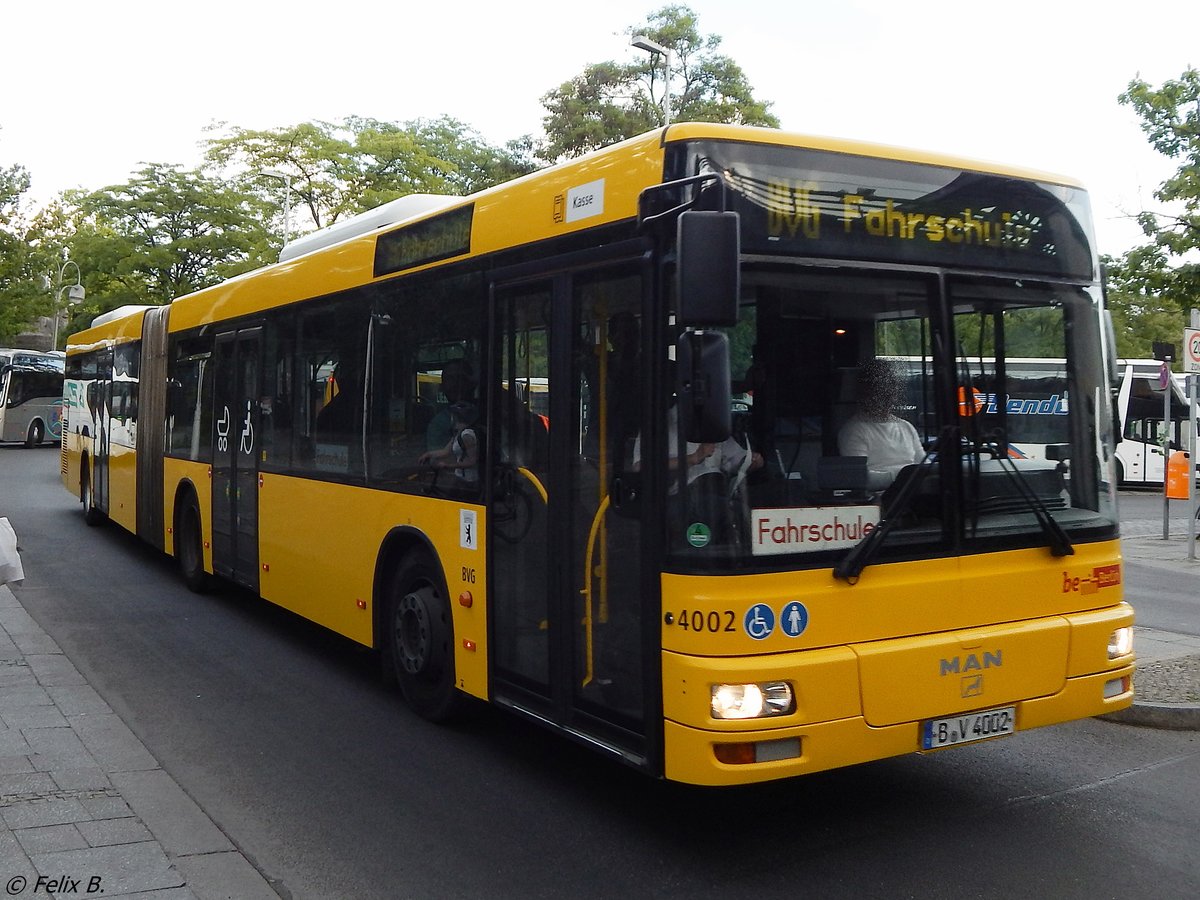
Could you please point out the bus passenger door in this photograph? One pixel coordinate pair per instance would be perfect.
(569, 605)
(100, 404)
(235, 456)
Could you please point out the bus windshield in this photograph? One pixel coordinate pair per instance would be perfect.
(970, 411)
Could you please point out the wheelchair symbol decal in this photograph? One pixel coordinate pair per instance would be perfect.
(759, 621)
(246, 444)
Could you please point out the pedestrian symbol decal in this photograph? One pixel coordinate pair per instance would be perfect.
(759, 621)
(793, 619)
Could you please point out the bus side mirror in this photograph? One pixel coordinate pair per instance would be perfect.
(708, 274)
(705, 397)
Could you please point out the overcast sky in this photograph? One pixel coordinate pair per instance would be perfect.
(92, 90)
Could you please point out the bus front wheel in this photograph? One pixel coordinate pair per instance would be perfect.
(420, 639)
(189, 548)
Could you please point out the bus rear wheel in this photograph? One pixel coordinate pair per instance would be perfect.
(87, 495)
(189, 548)
(419, 635)
(37, 433)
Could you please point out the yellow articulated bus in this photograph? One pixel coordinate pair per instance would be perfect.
(676, 449)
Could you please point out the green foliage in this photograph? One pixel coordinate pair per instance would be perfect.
(1148, 299)
(165, 233)
(611, 101)
(168, 232)
(341, 169)
(1171, 120)
(22, 298)
(1152, 288)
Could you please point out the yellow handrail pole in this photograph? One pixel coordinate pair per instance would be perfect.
(597, 522)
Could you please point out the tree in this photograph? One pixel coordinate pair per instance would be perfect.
(340, 169)
(1171, 119)
(611, 101)
(20, 304)
(165, 233)
(1152, 287)
(1142, 297)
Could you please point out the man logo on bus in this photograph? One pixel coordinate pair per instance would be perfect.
(972, 662)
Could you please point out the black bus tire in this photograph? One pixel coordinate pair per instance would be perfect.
(87, 496)
(37, 433)
(419, 634)
(189, 548)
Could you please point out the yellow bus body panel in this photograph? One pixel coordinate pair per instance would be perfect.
(319, 543)
(996, 630)
(122, 456)
(175, 473)
(122, 486)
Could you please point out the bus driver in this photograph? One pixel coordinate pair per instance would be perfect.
(888, 442)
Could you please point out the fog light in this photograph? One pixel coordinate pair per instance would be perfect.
(752, 701)
(1116, 687)
(1120, 642)
(756, 752)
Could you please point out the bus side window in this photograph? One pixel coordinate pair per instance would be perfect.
(189, 398)
(276, 405)
(330, 365)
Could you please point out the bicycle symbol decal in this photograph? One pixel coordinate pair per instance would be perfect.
(759, 621)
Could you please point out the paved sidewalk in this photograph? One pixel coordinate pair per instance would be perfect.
(84, 808)
(1167, 683)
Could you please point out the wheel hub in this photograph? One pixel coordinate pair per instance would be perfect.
(414, 637)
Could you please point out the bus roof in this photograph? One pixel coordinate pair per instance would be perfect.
(690, 131)
(342, 257)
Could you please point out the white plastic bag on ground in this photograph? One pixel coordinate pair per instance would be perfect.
(10, 560)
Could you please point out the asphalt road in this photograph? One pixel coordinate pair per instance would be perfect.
(1163, 599)
(321, 776)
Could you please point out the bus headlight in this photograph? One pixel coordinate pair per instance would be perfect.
(1120, 642)
(752, 701)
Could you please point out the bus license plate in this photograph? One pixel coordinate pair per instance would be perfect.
(968, 728)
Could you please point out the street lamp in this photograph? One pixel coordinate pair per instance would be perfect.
(287, 200)
(75, 292)
(642, 42)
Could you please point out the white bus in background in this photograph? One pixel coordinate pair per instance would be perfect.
(1030, 413)
(31, 384)
(1140, 458)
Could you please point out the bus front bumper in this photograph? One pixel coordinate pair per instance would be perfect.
(706, 757)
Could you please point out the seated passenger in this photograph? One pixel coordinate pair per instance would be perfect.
(888, 442)
(458, 386)
(461, 453)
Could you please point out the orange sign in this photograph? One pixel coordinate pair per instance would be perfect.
(969, 406)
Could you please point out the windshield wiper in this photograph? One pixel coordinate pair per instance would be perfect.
(1060, 544)
(860, 555)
